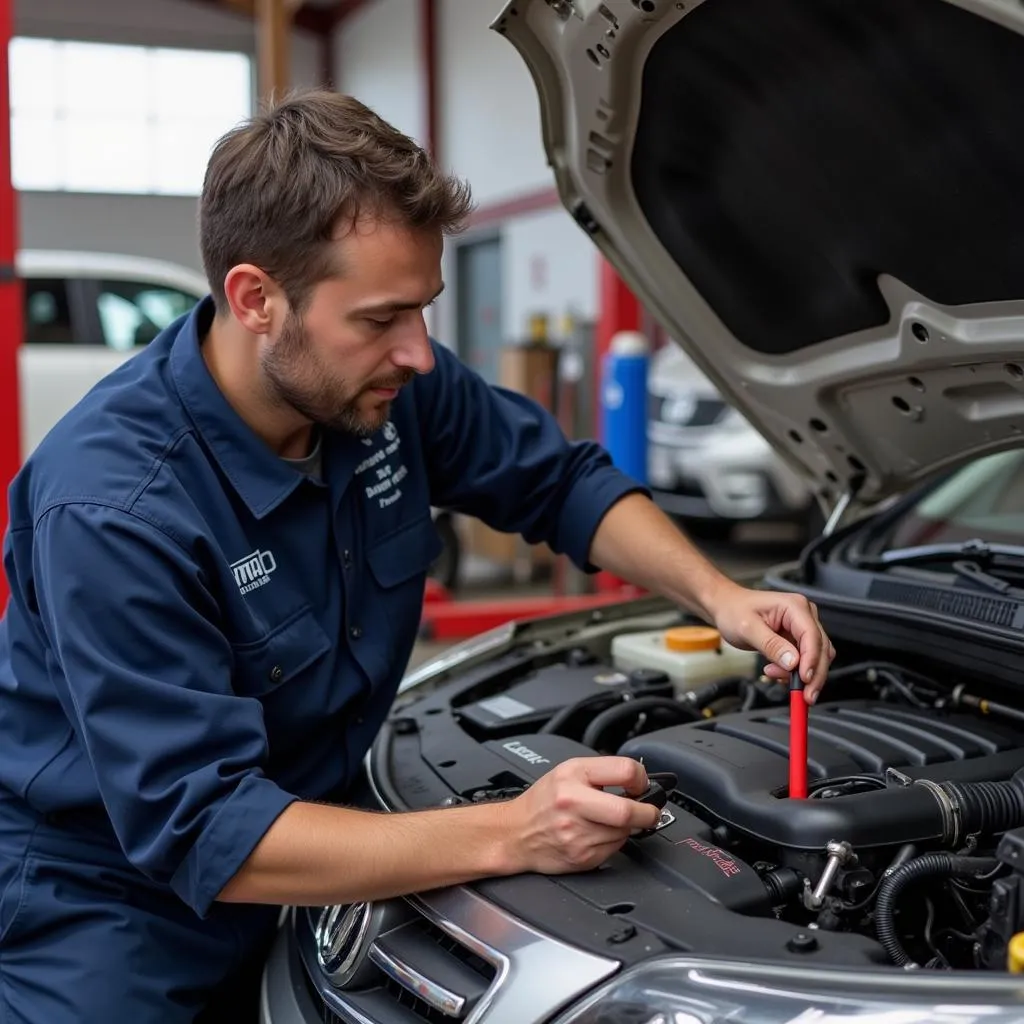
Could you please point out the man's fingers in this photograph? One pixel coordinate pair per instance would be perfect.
(615, 771)
(802, 624)
(774, 647)
(617, 812)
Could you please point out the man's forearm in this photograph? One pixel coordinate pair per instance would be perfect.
(315, 854)
(639, 543)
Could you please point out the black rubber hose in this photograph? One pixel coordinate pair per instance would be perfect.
(630, 709)
(988, 807)
(926, 866)
(704, 696)
(593, 702)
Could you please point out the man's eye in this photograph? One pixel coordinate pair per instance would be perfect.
(382, 324)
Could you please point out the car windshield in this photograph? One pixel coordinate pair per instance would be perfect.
(983, 500)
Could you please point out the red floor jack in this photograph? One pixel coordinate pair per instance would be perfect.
(797, 738)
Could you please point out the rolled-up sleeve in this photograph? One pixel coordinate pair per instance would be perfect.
(145, 676)
(500, 456)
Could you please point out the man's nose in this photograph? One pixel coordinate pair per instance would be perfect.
(414, 351)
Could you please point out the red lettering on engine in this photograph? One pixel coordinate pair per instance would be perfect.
(725, 864)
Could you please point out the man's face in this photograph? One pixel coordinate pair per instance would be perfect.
(363, 336)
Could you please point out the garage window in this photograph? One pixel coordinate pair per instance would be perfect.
(91, 117)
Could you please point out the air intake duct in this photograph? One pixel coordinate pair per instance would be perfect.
(967, 808)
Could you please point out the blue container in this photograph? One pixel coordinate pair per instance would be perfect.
(624, 403)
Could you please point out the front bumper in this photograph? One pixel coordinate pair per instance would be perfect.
(411, 959)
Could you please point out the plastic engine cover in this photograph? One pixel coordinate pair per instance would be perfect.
(736, 769)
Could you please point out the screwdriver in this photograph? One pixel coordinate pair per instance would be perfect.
(797, 738)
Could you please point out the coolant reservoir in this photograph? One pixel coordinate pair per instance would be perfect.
(689, 655)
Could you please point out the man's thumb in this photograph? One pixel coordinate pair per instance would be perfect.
(774, 647)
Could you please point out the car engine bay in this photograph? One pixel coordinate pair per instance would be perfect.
(908, 850)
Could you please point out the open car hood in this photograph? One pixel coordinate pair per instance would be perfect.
(821, 200)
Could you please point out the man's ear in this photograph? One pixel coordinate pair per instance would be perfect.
(254, 299)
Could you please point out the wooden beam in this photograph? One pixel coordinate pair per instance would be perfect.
(428, 56)
(343, 9)
(273, 47)
(317, 20)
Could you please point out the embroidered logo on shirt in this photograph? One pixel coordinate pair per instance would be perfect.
(387, 472)
(253, 571)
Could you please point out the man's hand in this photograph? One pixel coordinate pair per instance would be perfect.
(783, 627)
(638, 542)
(564, 822)
(315, 854)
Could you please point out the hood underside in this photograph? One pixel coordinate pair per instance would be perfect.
(822, 201)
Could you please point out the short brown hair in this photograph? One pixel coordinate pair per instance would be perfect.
(278, 184)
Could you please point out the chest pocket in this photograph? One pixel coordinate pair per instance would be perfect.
(405, 554)
(392, 609)
(265, 665)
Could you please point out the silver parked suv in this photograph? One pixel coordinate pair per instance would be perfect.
(707, 465)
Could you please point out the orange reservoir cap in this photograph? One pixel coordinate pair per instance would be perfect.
(687, 639)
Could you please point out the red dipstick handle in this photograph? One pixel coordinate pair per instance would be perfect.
(797, 739)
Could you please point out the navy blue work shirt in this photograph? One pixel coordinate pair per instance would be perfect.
(200, 634)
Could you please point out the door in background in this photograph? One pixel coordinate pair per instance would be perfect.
(478, 297)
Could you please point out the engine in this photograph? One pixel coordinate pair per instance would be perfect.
(909, 849)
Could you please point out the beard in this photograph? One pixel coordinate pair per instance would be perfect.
(296, 377)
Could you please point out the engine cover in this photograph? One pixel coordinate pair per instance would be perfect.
(735, 770)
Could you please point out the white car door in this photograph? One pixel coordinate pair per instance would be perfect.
(79, 328)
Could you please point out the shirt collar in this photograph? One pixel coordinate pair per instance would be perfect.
(261, 479)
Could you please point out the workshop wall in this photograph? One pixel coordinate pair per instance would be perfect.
(162, 227)
(550, 267)
(490, 134)
(490, 123)
(377, 59)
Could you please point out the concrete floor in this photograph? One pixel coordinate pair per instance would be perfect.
(753, 549)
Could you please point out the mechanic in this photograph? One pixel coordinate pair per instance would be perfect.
(216, 563)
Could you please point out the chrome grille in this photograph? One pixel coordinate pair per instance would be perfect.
(454, 958)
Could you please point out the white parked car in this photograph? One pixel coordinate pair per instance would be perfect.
(85, 313)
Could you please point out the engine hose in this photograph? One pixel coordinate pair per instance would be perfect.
(985, 707)
(985, 807)
(593, 702)
(704, 696)
(926, 866)
(630, 709)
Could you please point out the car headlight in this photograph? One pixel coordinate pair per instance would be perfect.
(687, 990)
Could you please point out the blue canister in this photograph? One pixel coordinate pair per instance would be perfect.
(624, 402)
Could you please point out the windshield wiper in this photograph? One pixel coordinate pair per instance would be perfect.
(965, 561)
(976, 550)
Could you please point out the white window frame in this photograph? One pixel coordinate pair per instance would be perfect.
(121, 119)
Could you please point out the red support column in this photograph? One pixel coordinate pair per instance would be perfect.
(10, 293)
(620, 310)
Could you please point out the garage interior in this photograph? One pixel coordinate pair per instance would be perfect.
(815, 369)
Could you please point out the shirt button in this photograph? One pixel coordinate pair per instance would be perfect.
(356, 632)
(276, 674)
(346, 558)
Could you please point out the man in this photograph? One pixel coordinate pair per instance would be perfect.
(216, 563)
